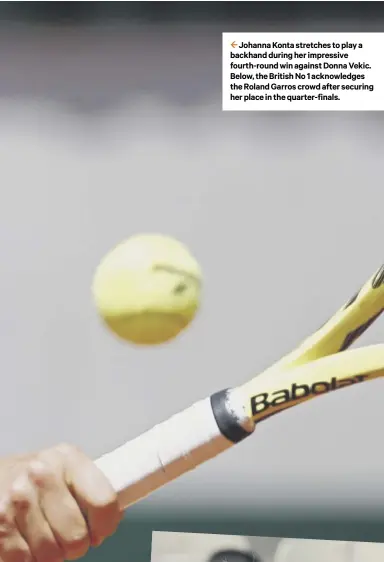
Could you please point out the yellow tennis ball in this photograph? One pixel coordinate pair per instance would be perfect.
(147, 289)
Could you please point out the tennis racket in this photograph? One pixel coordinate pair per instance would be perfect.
(321, 364)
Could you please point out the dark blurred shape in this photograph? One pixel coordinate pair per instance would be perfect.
(234, 556)
(47, 12)
(177, 12)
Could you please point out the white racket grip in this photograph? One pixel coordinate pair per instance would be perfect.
(163, 453)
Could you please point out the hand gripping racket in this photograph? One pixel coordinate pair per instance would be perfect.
(319, 365)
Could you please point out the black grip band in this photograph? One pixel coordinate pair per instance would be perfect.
(227, 423)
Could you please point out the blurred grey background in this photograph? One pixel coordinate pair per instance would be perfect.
(111, 124)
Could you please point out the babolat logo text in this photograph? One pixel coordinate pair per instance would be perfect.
(296, 392)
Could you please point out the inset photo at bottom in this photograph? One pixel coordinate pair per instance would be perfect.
(200, 547)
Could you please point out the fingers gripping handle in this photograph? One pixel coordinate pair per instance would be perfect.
(169, 449)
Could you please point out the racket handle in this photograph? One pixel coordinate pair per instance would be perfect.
(174, 447)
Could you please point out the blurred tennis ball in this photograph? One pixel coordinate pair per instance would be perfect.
(147, 289)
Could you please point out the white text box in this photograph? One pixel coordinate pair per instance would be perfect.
(303, 71)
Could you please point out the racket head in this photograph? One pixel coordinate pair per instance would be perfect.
(349, 323)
